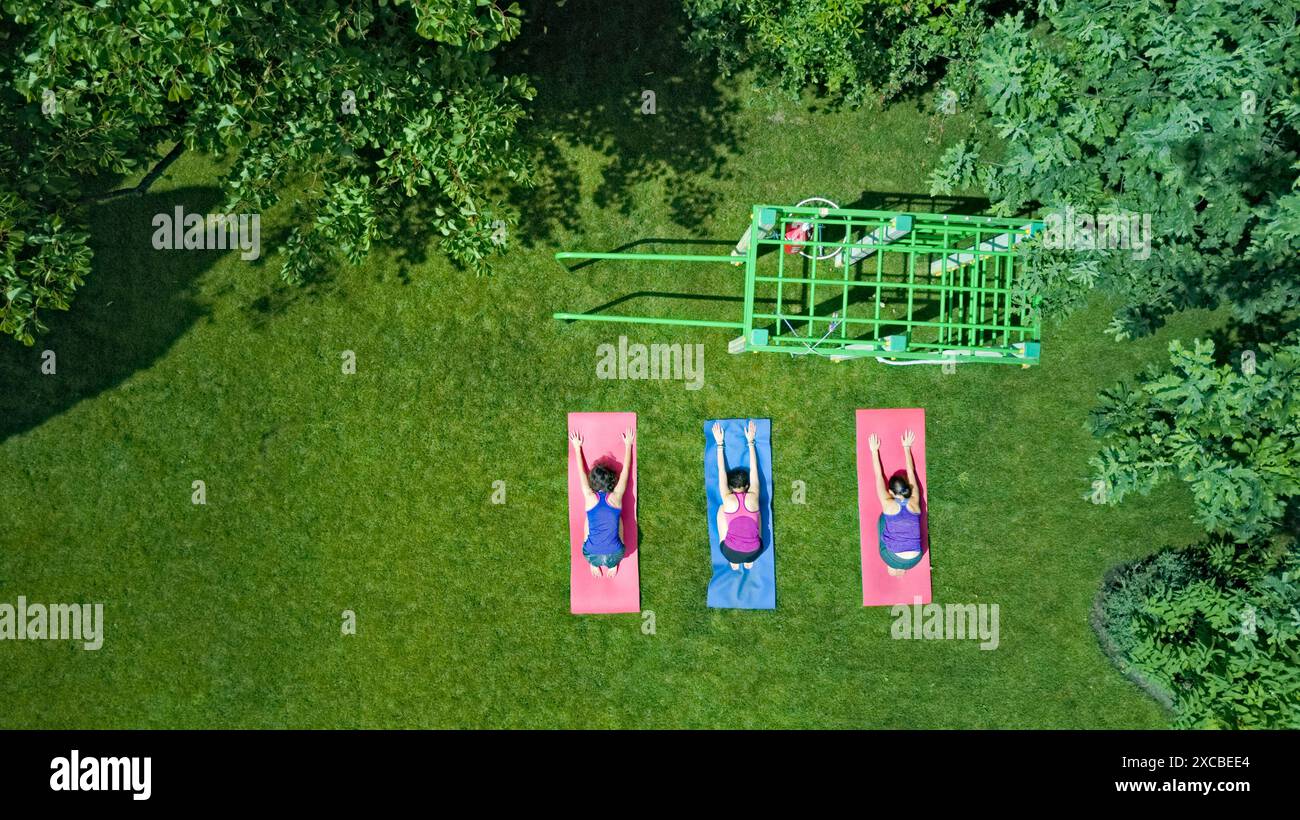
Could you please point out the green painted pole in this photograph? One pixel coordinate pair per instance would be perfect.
(643, 320)
(645, 257)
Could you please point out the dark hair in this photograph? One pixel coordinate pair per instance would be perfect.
(898, 486)
(738, 479)
(602, 479)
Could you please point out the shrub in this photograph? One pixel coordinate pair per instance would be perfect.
(1220, 653)
(1212, 631)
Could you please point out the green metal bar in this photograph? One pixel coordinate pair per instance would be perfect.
(943, 301)
(967, 303)
(944, 333)
(780, 273)
(645, 320)
(884, 285)
(844, 297)
(1007, 306)
(911, 323)
(780, 286)
(751, 259)
(977, 278)
(929, 218)
(1038, 319)
(997, 278)
(911, 281)
(922, 351)
(892, 247)
(812, 292)
(976, 300)
(645, 257)
(880, 273)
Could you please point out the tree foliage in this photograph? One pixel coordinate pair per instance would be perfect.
(1231, 434)
(1188, 111)
(93, 89)
(852, 48)
(1222, 653)
(1217, 626)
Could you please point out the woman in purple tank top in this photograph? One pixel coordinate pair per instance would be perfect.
(900, 511)
(739, 519)
(602, 530)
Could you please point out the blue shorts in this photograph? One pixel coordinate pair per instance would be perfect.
(604, 559)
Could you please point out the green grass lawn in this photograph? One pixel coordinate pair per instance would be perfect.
(371, 492)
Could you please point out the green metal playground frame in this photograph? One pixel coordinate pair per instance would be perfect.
(917, 287)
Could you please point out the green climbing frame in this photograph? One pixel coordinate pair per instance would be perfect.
(918, 288)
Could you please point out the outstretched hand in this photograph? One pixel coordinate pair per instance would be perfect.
(751, 431)
(908, 438)
(575, 438)
(873, 441)
(628, 436)
(717, 432)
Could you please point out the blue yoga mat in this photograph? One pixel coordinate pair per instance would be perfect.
(749, 588)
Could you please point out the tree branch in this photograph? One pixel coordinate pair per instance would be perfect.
(149, 178)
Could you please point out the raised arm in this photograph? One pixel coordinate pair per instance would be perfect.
(576, 439)
(914, 502)
(627, 462)
(879, 469)
(753, 461)
(722, 460)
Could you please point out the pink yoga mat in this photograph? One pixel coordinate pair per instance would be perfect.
(879, 588)
(602, 440)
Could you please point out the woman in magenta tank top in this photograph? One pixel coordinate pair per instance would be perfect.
(900, 510)
(739, 520)
(602, 490)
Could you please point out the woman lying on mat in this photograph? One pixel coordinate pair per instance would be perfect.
(738, 517)
(602, 532)
(900, 518)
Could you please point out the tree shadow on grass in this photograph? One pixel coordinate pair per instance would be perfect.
(1235, 338)
(136, 302)
(591, 62)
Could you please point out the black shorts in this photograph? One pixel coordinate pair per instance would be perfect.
(739, 557)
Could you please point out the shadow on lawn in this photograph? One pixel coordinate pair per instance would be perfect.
(1235, 337)
(135, 304)
(591, 61)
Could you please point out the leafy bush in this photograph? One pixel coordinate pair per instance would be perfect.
(1232, 434)
(1221, 654)
(1185, 111)
(1213, 631)
(852, 48)
(1120, 603)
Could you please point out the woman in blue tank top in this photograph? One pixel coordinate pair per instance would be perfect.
(602, 541)
(900, 511)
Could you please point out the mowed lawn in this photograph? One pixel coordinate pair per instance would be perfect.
(372, 492)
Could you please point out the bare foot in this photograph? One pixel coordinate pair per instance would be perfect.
(736, 567)
(612, 572)
(749, 565)
(896, 572)
(595, 571)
